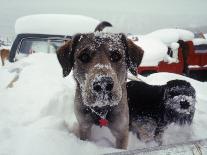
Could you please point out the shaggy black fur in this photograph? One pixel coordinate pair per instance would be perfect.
(152, 107)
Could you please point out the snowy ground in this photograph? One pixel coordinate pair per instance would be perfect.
(36, 114)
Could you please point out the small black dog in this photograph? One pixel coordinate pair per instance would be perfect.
(152, 107)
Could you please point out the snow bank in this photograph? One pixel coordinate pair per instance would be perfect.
(199, 41)
(154, 50)
(169, 36)
(5, 47)
(163, 78)
(37, 112)
(155, 45)
(59, 24)
(37, 117)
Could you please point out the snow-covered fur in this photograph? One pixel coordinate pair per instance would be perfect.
(100, 62)
(152, 107)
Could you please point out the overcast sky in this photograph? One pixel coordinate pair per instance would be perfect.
(135, 16)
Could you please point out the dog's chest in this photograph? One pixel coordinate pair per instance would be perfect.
(100, 117)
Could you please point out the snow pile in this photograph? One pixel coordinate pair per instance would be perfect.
(156, 43)
(38, 110)
(5, 47)
(154, 53)
(58, 24)
(169, 36)
(37, 117)
(199, 41)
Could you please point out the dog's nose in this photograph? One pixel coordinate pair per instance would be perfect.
(184, 104)
(104, 84)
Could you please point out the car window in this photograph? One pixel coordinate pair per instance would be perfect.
(36, 45)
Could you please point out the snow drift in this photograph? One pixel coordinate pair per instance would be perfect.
(37, 117)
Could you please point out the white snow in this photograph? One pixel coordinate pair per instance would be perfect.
(5, 47)
(156, 43)
(194, 66)
(37, 117)
(174, 46)
(99, 66)
(169, 36)
(60, 24)
(199, 41)
(154, 53)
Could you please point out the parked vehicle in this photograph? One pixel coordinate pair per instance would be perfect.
(25, 44)
(46, 32)
(190, 57)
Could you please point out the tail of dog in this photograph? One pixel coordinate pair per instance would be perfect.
(102, 25)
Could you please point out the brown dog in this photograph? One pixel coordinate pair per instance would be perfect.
(4, 55)
(100, 62)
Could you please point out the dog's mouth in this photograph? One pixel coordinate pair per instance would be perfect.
(184, 104)
(105, 99)
(101, 99)
(101, 110)
(101, 90)
(181, 104)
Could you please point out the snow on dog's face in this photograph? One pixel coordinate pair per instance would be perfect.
(100, 62)
(100, 69)
(179, 100)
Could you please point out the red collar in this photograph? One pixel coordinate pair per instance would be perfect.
(103, 122)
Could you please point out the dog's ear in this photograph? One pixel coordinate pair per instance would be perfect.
(65, 57)
(134, 55)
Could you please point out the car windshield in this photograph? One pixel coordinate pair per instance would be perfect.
(36, 45)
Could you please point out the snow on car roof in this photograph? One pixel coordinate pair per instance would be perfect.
(155, 44)
(58, 24)
(199, 41)
(169, 36)
(154, 50)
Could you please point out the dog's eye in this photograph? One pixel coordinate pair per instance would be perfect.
(115, 56)
(85, 57)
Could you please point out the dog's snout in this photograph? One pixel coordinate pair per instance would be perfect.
(184, 104)
(104, 84)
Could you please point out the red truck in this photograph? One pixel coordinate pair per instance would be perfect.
(192, 60)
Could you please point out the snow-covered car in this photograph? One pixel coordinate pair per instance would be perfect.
(46, 32)
(26, 44)
(173, 50)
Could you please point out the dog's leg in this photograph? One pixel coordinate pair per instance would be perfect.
(120, 122)
(85, 131)
(122, 139)
(121, 135)
(158, 135)
(84, 120)
(120, 127)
